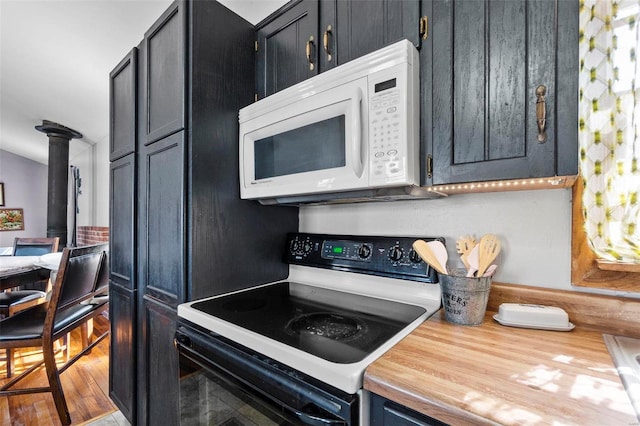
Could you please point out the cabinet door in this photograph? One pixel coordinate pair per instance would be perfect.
(363, 26)
(162, 220)
(159, 366)
(122, 287)
(165, 74)
(122, 106)
(122, 215)
(387, 413)
(488, 59)
(122, 350)
(287, 48)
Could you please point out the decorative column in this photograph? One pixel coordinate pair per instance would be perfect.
(58, 194)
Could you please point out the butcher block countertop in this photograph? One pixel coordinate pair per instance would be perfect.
(492, 374)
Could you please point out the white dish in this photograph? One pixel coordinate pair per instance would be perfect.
(568, 327)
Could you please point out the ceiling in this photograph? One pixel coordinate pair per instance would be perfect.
(55, 59)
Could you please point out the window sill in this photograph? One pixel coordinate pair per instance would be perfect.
(606, 265)
(586, 270)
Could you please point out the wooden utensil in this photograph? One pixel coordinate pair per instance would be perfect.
(440, 251)
(425, 252)
(464, 245)
(490, 270)
(489, 248)
(472, 258)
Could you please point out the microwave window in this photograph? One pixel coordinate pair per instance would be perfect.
(317, 146)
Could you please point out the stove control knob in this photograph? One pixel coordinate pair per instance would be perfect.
(295, 246)
(307, 246)
(414, 257)
(364, 251)
(395, 253)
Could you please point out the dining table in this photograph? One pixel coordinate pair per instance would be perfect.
(18, 270)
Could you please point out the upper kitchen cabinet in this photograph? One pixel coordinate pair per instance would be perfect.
(351, 29)
(287, 48)
(501, 77)
(122, 106)
(165, 74)
(310, 36)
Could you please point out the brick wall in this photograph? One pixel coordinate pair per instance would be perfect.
(88, 235)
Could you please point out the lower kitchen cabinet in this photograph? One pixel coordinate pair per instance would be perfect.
(384, 412)
(122, 350)
(159, 365)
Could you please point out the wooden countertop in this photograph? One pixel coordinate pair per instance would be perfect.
(491, 374)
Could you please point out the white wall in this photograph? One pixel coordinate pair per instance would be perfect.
(25, 187)
(83, 160)
(533, 226)
(101, 184)
(93, 162)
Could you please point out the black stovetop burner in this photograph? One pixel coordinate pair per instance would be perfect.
(327, 324)
(337, 326)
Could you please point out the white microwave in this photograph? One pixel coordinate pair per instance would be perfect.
(348, 134)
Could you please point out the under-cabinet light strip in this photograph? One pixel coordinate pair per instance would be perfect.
(555, 182)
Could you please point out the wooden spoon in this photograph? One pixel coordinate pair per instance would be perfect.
(425, 252)
(440, 251)
(490, 270)
(489, 248)
(472, 258)
(464, 245)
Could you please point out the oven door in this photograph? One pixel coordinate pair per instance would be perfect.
(221, 382)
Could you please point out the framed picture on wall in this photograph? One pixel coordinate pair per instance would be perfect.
(1, 194)
(11, 220)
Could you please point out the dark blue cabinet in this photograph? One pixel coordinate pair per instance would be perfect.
(179, 229)
(308, 37)
(488, 66)
(384, 412)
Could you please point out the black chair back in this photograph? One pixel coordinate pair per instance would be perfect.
(102, 284)
(35, 246)
(77, 277)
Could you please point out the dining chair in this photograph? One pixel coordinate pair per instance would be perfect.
(35, 246)
(14, 301)
(74, 301)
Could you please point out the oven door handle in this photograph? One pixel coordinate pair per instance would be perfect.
(315, 419)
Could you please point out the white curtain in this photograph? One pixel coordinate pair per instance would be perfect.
(610, 126)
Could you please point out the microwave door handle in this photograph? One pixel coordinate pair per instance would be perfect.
(356, 117)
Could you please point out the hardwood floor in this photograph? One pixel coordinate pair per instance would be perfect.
(85, 385)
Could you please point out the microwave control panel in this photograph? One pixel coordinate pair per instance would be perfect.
(385, 130)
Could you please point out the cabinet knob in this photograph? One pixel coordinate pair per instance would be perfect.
(541, 113)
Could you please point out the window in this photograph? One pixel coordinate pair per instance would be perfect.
(606, 200)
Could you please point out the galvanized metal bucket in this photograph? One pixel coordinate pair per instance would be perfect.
(464, 299)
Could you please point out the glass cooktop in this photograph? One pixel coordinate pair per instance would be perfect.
(337, 326)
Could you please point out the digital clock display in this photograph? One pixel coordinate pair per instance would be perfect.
(337, 250)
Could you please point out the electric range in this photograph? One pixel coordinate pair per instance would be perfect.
(346, 301)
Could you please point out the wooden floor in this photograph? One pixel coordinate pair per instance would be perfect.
(85, 385)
